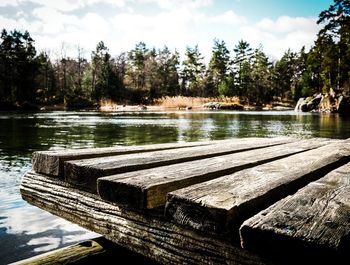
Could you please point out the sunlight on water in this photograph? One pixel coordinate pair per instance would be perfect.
(26, 230)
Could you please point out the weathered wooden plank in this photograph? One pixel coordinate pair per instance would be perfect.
(147, 189)
(84, 173)
(315, 221)
(67, 255)
(51, 162)
(150, 236)
(222, 204)
(94, 251)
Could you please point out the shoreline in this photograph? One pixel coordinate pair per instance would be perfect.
(148, 108)
(137, 108)
(179, 103)
(212, 106)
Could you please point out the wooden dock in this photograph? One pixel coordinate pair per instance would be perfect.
(241, 201)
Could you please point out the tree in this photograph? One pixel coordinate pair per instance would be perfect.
(242, 66)
(193, 72)
(283, 73)
(260, 90)
(219, 65)
(337, 25)
(18, 67)
(167, 72)
(97, 58)
(227, 85)
(120, 67)
(45, 80)
(336, 18)
(137, 59)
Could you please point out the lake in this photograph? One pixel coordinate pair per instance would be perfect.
(26, 231)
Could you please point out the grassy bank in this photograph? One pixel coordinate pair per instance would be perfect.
(192, 103)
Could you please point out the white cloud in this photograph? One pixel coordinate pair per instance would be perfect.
(19, 24)
(162, 29)
(278, 35)
(85, 32)
(287, 24)
(118, 3)
(176, 4)
(8, 3)
(174, 23)
(175, 28)
(228, 18)
(64, 5)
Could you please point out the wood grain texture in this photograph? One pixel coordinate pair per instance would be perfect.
(222, 204)
(52, 162)
(84, 173)
(315, 222)
(147, 189)
(150, 236)
(94, 251)
(67, 255)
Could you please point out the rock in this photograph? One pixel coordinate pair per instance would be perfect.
(308, 104)
(211, 105)
(314, 103)
(223, 106)
(343, 105)
(6, 106)
(142, 107)
(304, 108)
(332, 92)
(299, 106)
(327, 103)
(29, 106)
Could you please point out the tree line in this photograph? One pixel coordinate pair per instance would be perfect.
(145, 74)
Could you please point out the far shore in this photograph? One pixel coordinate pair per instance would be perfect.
(155, 108)
(178, 103)
(146, 108)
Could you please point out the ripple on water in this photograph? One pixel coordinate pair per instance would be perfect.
(26, 230)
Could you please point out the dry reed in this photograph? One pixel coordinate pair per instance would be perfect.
(181, 102)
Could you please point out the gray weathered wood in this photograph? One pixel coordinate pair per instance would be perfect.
(148, 188)
(222, 204)
(150, 236)
(51, 162)
(68, 255)
(94, 251)
(84, 173)
(315, 221)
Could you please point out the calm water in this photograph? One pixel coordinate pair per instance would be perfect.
(26, 230)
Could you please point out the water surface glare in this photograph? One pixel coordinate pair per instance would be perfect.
(26, 231)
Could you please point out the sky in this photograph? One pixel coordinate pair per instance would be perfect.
(60, 26)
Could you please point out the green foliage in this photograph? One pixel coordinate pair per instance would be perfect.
(261, 87)
(18, 67)
(145, 74)
(283, 73)
(193, 73)
(227, 86)
(335, 38)
(242, 67)
(218, 67)
(45, 80)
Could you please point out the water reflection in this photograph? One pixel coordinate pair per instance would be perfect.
(26, 230)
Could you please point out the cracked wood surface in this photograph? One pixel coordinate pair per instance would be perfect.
(221, 205)
(151, 236)
(315, 222)
(52, 162)
(84, 173)
(147, 189)
(209, 192)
